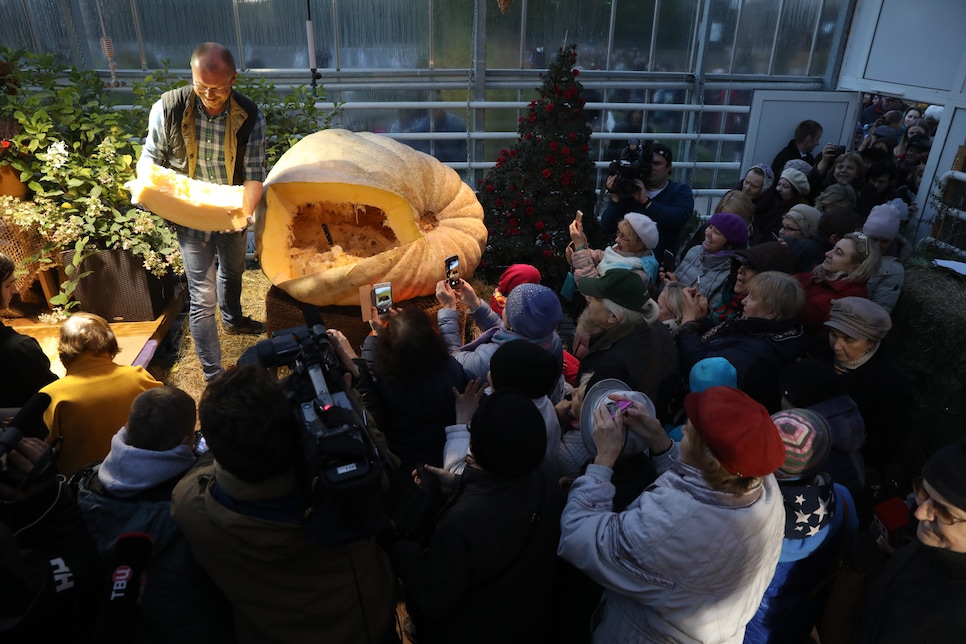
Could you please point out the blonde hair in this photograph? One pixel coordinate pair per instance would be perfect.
(866, 255)
(699, 455)
(625, 227)
(85, 333)
(853, 157)
(738, 203)
(674, 298)
(837, 194)
(779, 293)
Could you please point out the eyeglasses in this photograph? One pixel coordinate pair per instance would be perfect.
(204, 89)
(939, 510)
(791, 229)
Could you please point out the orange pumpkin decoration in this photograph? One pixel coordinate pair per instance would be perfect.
(394, 214)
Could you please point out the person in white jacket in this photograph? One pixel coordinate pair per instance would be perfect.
(689, 560)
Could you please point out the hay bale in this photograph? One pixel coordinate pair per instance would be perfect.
(929, 340)
(282, 311)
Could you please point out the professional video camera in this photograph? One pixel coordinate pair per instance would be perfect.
(343, 466)
(634, 164)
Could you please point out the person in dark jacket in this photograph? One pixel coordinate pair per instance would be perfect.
(919, 595)
(819, 516)
(628, 341)
(765, 339)
(26, 370)
(808, 134)
(50, 581)
(487, 573)
(668, 203)
(875, 381)
(408, 386)
(130, 491)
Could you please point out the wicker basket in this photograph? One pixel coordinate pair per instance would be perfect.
(19, 244)
(119, 288)
(282, 311)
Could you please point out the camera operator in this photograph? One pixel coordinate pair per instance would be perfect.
(49, 576)
(242, 513)
(667, 202)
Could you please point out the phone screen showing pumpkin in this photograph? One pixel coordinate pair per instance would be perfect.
(452, 267)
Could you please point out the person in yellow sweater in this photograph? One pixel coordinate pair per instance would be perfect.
(91, 402)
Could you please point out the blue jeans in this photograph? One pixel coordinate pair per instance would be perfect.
(204, 293)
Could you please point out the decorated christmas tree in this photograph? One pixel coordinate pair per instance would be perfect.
(530, 197)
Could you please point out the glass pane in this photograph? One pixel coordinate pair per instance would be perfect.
(503, 39)
(723, 20)
(795, 37)
(118, 29)
(453, 34)
(828, 25)
(383, 34)
(14, 28)
(274, 36)
(675, 36)
(756, 34)
(173, 28)
(550, 24)
(632, 35)
(46, 18)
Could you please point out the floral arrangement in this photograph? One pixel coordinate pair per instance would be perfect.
(532, 194)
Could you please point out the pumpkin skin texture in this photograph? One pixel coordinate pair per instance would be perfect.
(394, 215)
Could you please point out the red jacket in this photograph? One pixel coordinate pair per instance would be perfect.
(819, 297)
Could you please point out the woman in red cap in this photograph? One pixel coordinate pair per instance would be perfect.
(689, 560)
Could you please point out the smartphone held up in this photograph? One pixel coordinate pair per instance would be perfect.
(452, 267)
(382, 297)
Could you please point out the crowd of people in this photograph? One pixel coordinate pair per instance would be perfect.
(694, 462)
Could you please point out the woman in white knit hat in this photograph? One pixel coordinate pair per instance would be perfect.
(637, 236)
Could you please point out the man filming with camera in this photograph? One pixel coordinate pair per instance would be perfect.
(243, 514)
(639, 182)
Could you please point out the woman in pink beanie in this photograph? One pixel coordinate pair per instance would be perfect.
(882, 228)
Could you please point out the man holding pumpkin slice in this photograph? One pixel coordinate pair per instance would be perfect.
(210, 132)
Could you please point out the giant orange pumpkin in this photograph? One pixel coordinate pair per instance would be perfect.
(394, 214)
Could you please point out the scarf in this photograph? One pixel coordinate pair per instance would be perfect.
(843, 367)
(128, 470)
(615, 259)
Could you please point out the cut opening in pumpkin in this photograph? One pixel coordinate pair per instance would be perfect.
(362, 222)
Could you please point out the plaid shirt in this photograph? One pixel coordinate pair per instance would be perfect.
(211, 150)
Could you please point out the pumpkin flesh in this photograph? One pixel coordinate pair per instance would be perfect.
(394, 221)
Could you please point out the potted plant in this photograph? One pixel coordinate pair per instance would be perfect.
(75, 155)
(76, 150)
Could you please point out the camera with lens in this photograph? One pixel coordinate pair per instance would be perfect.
(633, 165)
(343, 467)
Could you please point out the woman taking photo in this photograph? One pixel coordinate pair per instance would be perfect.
(844, 273)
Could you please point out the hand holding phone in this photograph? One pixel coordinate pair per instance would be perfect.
(667, 262)
(452, 267)
(382, 297)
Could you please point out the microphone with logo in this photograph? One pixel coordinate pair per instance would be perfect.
(117, 618)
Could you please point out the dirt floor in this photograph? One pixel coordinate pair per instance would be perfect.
(180, 367)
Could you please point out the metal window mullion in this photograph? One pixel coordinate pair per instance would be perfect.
(335, 35)
(818, 24)
(774, 38)
(653, 48)
(239, 42)
(734, 39)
